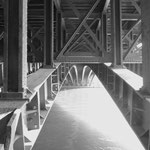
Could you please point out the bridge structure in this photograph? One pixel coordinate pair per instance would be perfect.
(45, 44)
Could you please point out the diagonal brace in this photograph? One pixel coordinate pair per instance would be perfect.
(78, 28)
(138, 21)
(133, 44)
(136, 6)
(81, 35)
(86, 26)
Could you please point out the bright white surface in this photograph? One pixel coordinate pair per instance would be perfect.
(134, 80)
(86, 119)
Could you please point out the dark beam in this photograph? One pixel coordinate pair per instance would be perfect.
(85, 59)
(104, 31)
(146, 44)
(58, 31)
(48, 33)
(116, 42)
(15, 47)
(63, 37)
(63, 33)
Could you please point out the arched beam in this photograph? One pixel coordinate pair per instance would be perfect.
(90, 78)
(70, 75)
(76, 72)
(83, 73)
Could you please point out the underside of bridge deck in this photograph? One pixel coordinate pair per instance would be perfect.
(45, 43)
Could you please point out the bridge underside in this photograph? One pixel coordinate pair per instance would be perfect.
(45, 44)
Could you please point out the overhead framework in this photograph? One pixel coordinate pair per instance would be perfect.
(101, 32)
(41, 40)
(81, 30)
(83, 39)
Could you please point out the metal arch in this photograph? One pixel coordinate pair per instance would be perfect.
(90, 73)
(70, 75)
(76, 72)
(83, 73)
(91, 78)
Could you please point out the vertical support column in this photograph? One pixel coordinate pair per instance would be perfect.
(97, 35)
(1, 74)
(62, 32)
(104, 31)
(118, 90)
(64, 37)
(141, 69)
(116, 42)
(138, 68)
(15, 49)
(146, 44)
(58, 31)
(49, 89)
(49, 33)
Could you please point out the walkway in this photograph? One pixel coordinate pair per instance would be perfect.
(86, 119)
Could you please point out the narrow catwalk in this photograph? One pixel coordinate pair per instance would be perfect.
(86, 119)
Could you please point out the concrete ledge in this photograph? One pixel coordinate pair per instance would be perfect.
(132, 79)
(35, 80)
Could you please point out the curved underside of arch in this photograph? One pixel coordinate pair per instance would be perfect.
(80, 75)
